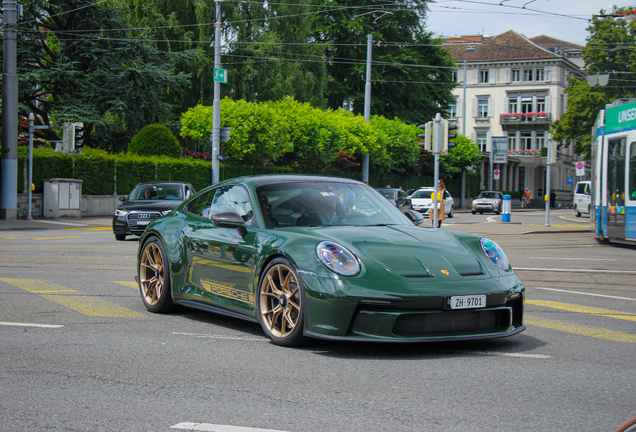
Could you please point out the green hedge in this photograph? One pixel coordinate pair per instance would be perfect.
(105, 174)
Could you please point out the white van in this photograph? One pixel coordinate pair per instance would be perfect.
(582, 197)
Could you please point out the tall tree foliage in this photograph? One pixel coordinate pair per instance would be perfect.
(609, 50)
(76, 63)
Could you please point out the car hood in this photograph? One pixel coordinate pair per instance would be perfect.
(408, 252)
(159, 205)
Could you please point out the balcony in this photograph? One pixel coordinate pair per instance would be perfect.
(529, 120)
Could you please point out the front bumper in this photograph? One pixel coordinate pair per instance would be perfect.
(413, 318)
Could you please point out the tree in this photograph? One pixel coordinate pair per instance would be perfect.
(609, 50)
(78, 64)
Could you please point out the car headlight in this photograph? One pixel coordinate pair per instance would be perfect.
(119, 213)
(165, 212)
(337, 259)
(495, 202)
(495, 253)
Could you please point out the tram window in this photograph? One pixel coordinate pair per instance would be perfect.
(616, 172)
(632, 171)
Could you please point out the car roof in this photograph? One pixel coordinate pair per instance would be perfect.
(171, 183)
(262, 180)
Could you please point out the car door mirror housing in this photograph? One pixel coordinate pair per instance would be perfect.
(229, 220)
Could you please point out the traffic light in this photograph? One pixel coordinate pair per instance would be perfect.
(224, 135)
(447, 136)
(428, 131)
(78, 136)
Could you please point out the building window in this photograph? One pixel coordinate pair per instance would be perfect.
(512, 141)
(540, 74)
(513, 105)
(527, 74)
(540, 140)
(522, 178)
(516, 75)
(483, 76)
(452, 110)
(541, 104)
(526, 140)
(482, 139)
(482, 107)
(526, 104)
(454, 76)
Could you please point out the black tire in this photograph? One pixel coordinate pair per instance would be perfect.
(451, 213)
(120, 237)
(154, 277)
(473, 212)
(281, 304)
(576, 211)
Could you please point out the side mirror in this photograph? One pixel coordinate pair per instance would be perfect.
(229, 220)
(123, 198)
(415, 216)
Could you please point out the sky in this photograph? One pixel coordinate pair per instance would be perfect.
(561, 19)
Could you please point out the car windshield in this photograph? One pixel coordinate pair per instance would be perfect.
(311, 204)
(422, 193)
(156, 192)
(495, 195)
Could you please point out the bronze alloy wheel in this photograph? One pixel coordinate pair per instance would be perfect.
(154, 278)
(280, 301)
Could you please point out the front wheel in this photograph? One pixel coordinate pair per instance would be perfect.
(120, 237)
(577, 212)
(280, 304)
(154, 277)
(451, 212)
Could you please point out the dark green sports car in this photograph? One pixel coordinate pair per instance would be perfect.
(329, 258)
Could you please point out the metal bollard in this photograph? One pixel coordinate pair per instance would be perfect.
(505, 217)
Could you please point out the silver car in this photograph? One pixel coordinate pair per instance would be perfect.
(421, 201)
(488, 201)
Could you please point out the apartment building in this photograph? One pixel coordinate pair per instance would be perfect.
(511, 86)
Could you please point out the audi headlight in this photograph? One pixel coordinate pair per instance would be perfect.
(495, 253)
(165, 212)
(337, 259)
(120, 213)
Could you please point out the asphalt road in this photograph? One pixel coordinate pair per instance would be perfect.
(79, 352)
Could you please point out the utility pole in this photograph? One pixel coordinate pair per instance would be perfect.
(463, 189)
(367, 107)
(9, 161)
(436, 151)
(216, 108)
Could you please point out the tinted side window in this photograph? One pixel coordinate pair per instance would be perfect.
(232, 199)
(201, 206)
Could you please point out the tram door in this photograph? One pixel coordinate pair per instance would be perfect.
(615, 187)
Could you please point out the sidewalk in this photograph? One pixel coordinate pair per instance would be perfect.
(36, 224)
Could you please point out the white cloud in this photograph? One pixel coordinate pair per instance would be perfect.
(562, 19)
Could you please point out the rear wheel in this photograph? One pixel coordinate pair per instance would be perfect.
(280, 304)
(154, 277)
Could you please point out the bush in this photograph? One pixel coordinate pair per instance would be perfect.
(155, 140)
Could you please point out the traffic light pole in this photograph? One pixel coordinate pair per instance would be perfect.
(436, 150)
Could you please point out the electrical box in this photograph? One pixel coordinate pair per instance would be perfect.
(61, 198)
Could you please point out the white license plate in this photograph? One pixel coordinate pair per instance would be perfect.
(142, 223)
(468, 302)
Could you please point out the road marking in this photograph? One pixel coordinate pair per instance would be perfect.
(211, 336)
(576, 270)
(584, 309)
(129, 284)
(573, 259)
(54, 238)
(495, 353)
(13, 324)
(588, 294)
(207, 427)
(582, 330)
(73, 299)
(90, 228)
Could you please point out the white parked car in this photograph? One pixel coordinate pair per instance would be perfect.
(582, 198)
(421, 201)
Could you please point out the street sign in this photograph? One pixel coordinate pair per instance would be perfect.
(570, 180)
(500, 144)
(496, 173)
(220, 75)
(500, 158)
(580, 169)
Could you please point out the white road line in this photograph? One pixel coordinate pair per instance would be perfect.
(14, 324)
(576, 270)
(207, 427)
(588, 294)
(495, 353)
(574, 259)
(211, 336)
